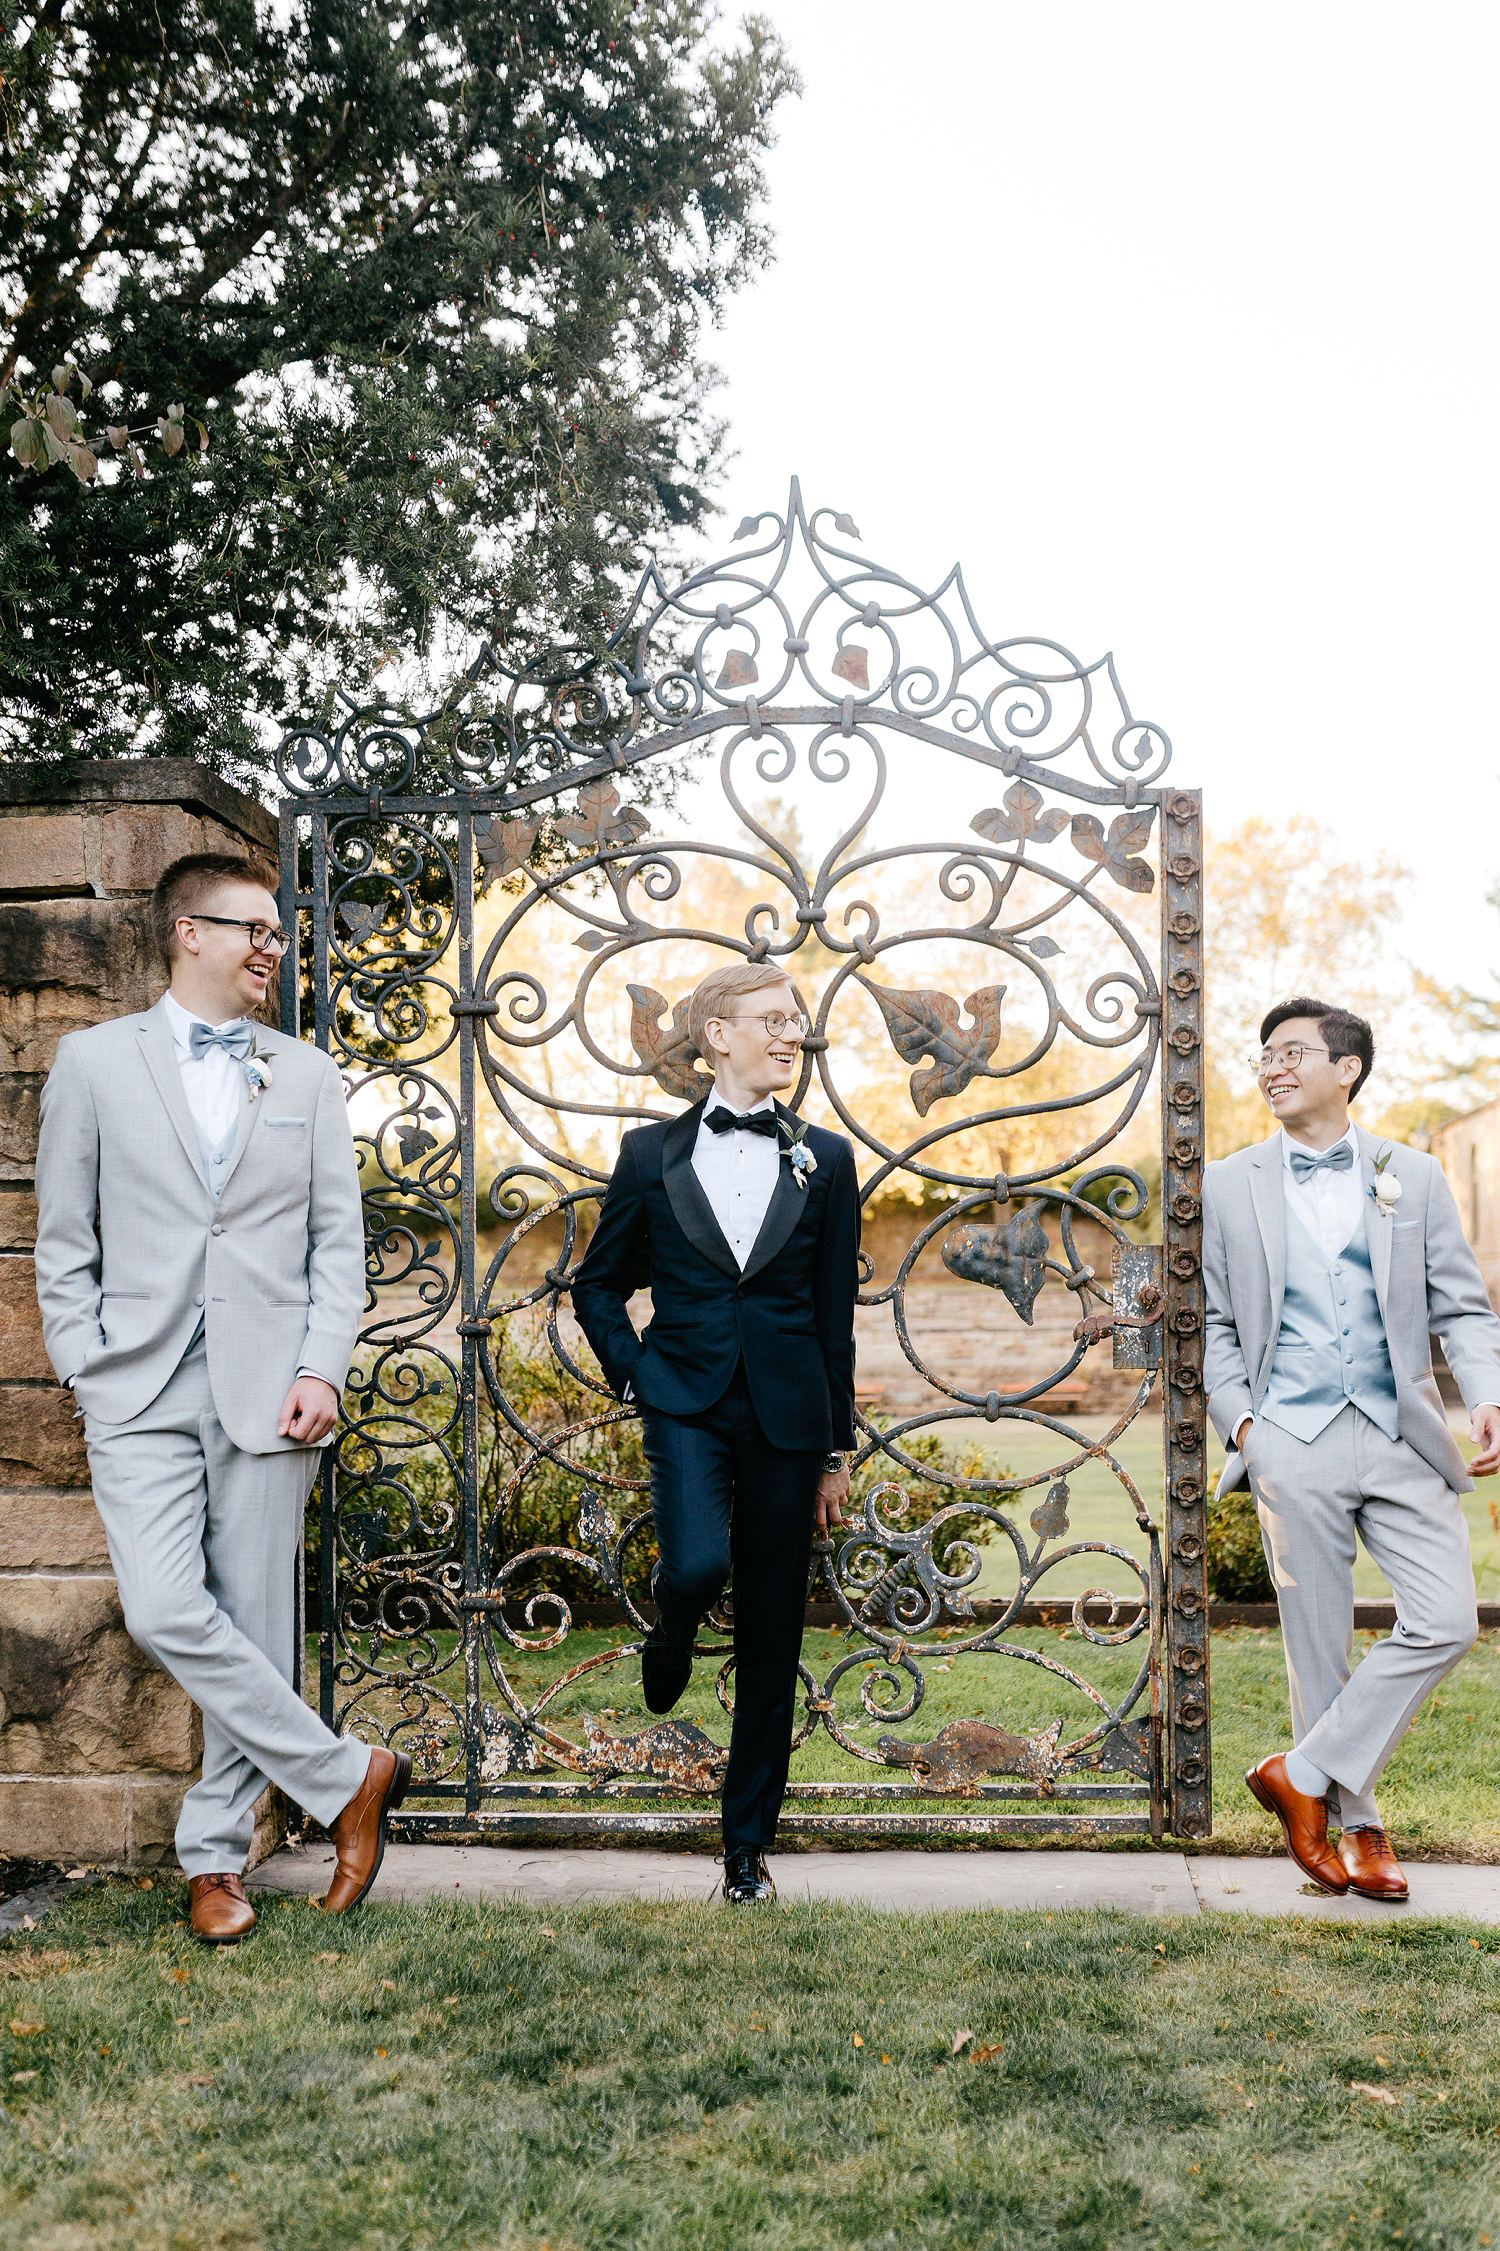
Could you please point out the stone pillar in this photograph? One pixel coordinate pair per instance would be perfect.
(96, 1745)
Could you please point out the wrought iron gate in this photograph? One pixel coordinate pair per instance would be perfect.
(499, 928)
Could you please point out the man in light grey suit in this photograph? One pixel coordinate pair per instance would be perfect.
(200, 1270)
(1330, 1258)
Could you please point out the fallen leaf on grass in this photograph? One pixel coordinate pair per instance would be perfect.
(382, 2051)
(328, 1957)
(987, 2054)
(859, 2039)
(145, 1884)
(23, 2030)
(182, 2020)
(1386, 2095)
(199, 2079)
(388, 1985)
(71, 1875)
(548, 1933)
(22, 2078)
(961, 2040)
(182, 1977)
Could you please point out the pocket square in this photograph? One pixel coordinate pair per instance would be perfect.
(283, 1124)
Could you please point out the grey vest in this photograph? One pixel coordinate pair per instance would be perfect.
(1330, 1348)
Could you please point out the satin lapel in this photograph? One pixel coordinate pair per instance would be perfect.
(690, 1207)
(788, 1202)
(1268, 1195)
(1377, 1228)
(249, 1120)
(155, 1036)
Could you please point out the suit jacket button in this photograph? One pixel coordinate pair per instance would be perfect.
(216, 1229)
(197, 1301)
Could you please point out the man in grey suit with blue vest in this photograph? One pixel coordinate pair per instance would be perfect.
(1330, 1258)
(200, 1270)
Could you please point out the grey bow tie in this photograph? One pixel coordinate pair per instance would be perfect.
(235, 1039)
(1340, 1158)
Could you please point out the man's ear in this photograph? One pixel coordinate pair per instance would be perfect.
(713, 1033)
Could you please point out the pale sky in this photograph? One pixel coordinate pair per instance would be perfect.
(1177, 325)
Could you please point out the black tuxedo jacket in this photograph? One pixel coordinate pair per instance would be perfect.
(789, 1316)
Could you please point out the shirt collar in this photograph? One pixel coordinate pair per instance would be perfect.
(182, 1021)
(1288, 1145)
(716, 1102)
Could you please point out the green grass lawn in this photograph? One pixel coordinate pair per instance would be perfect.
(445, 2078)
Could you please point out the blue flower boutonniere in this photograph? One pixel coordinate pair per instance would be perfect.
(797, 1153)
(257, 1069)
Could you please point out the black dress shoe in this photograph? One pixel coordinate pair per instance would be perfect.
(666, 1670)
(747, 1879)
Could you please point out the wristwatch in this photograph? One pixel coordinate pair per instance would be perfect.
(833, 1463)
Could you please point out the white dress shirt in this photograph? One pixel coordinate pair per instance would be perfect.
(1330, 1205)
(737, 1173)
(212, 1081)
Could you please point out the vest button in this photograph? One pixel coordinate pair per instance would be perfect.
(1337, 1268)
(1346, 1325)
(1349, 1359)
(198, 1300)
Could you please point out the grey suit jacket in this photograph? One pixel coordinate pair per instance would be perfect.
(131, 1247)
(1426, 1277)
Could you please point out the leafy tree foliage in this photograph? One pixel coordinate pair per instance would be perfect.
(435, 280)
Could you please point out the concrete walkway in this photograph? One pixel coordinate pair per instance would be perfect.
(1164, 1883)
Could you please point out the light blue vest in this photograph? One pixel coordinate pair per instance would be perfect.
(216, 1156)
(1330, 1348)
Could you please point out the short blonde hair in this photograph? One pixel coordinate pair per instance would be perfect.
(723, 986)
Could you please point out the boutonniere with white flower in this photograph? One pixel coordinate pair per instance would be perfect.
(797, 1153)
(1385, 1187)
(257, 1069)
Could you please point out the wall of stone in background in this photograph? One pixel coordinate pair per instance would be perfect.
(96, 1745)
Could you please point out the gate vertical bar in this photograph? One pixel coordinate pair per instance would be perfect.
(322, 1034)
(1188, 1777)
(469, 1327)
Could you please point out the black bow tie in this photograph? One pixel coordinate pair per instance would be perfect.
(750, 1121)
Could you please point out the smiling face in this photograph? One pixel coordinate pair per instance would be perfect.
(217, 973)
(749, 1060)
(1311, 1096)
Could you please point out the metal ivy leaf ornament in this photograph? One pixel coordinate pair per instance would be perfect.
(601, 820)
(1012, 1258)
(1049, 1520)
(665, 1049)
(1115, 853)
(503, 847)
(1024, 816)
(925, 1022)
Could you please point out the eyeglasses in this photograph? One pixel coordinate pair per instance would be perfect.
(265, 937)
(777, 1026)
(1282, 1058)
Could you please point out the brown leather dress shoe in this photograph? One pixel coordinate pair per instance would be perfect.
(220, 1914)
(359, 1832)
(1304, 1822)
(1374, 1870)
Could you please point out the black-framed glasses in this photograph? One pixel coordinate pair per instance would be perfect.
(1283, 1058)
(265, 937)
(777, 1026)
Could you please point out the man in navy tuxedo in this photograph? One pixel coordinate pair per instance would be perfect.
(744, 1224)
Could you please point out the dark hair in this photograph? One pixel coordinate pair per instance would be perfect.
(189, 883)
(1344, 1032)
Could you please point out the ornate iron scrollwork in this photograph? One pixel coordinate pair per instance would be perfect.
(501, 945)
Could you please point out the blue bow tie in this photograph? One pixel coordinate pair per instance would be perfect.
(1340, 1158)
(235, 1039)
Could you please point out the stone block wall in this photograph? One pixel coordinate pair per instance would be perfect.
(96, 1745)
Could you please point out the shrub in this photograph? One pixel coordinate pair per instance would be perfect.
(1236, 1560)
